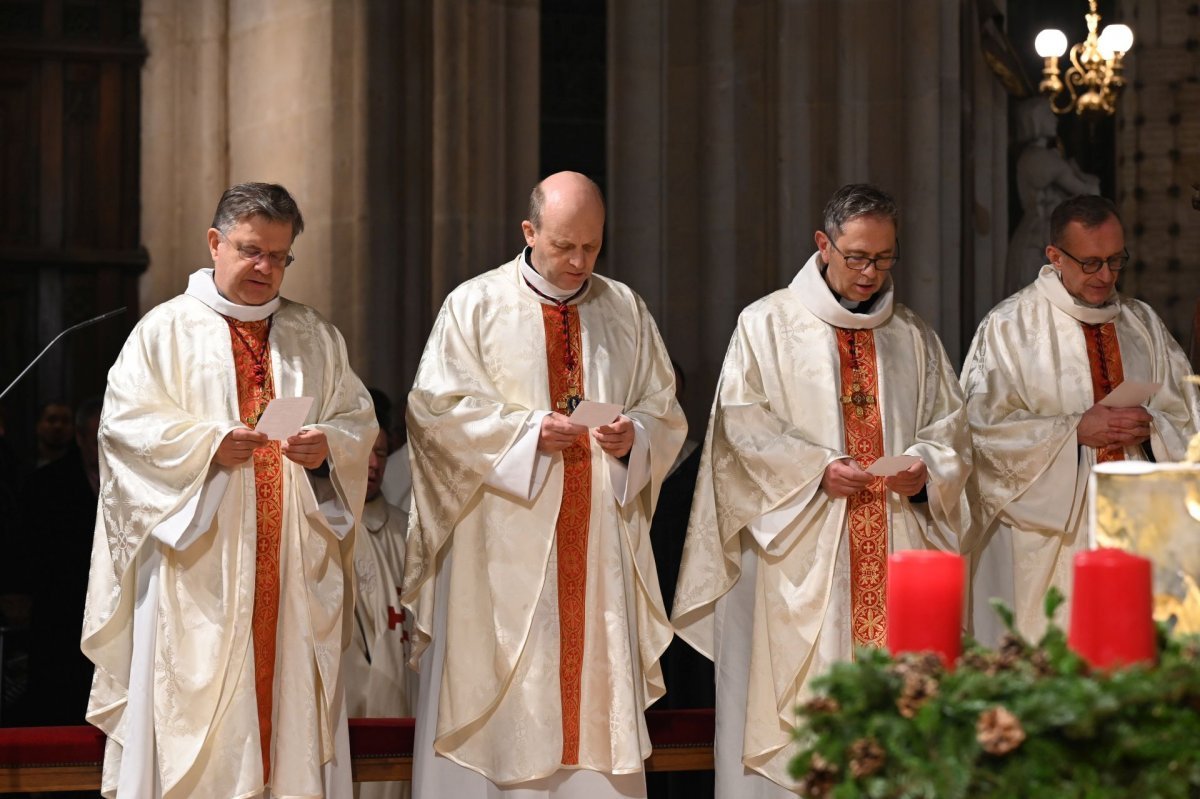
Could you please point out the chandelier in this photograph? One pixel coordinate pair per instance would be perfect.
(1093, 80)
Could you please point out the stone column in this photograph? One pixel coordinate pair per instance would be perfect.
(185, 161)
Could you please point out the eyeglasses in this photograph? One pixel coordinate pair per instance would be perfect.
(1091, 266)
(278, 259)
(858, 263)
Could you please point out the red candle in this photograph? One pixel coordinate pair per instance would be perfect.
(1112, 609)
(925, 603)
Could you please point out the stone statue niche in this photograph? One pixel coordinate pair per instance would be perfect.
(1044, 179)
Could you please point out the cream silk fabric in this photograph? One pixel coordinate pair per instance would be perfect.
(1028, 381)
(379, 683)
(775, 425)
(175, 537)
(481, 381)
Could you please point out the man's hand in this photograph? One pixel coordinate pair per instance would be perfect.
(1102, 426)
(238, 446)
(909, 482)
(309, 448)
(617, 438)
(844, 477)
(557, 433)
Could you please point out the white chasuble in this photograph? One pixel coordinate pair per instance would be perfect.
(482, 571)
(171, 591)
(379, 683)
(766, 584)
(1028, 380)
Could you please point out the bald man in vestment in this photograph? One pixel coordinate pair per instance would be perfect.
(221, 590)
(538, 618)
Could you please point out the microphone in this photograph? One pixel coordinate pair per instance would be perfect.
(72, 329)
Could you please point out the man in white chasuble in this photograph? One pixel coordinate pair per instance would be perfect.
(1041, 362)
(220, 592)
(529, 573)
(785, 565)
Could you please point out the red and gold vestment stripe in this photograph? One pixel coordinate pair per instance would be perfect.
(572, 527)
(867, 509)
(1104, 358)
(268, 488)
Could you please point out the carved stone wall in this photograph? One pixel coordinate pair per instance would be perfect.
(1158, 157)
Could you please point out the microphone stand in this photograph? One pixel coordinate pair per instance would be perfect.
(72, 329)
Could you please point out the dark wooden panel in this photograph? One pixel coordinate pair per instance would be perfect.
(20, 130)
(70, 107)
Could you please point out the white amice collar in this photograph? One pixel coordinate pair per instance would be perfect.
(375, 514)
(815, 294)
(544, 286)
(202, 287)
(1049, 283)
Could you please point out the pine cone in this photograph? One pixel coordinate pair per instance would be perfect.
(917, 690)
(986, 662)
(820, 779)
(1010, 652)
(866, 757)
(821, 705)
(1042, 663)
(998, 731)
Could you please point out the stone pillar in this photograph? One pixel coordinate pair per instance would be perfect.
(185, 161)
(406, 130)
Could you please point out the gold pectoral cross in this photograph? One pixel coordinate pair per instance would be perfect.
(859, 399)
(569, 404)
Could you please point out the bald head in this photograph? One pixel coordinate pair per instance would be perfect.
(565, 228)
(563, 187)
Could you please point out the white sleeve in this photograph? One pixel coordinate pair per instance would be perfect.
(523, 469)
(185, 525)
(628, 479)
(772, 529)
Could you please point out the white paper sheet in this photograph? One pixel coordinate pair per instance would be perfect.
(1130, 394)
(889, 465)
(595, 414)
(284, 417)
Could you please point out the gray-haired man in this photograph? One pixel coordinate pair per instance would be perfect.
(785, 565)
(219, 588)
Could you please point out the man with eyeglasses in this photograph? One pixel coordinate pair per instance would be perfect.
(784, 568)
(220, 589)
(1034, 377)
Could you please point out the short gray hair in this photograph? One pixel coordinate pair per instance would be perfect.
(268, 200)
(1089, 210)
(858, 199)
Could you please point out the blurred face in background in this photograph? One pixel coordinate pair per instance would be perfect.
(377, 465)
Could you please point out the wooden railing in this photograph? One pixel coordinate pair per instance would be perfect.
(39, 759)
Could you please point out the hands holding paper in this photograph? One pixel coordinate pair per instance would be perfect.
(238, 446)
(616, 437)
(280, 421)
(1102, 426)
(904, 474)
(309, 448)
(558, 432)
(908, 482)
